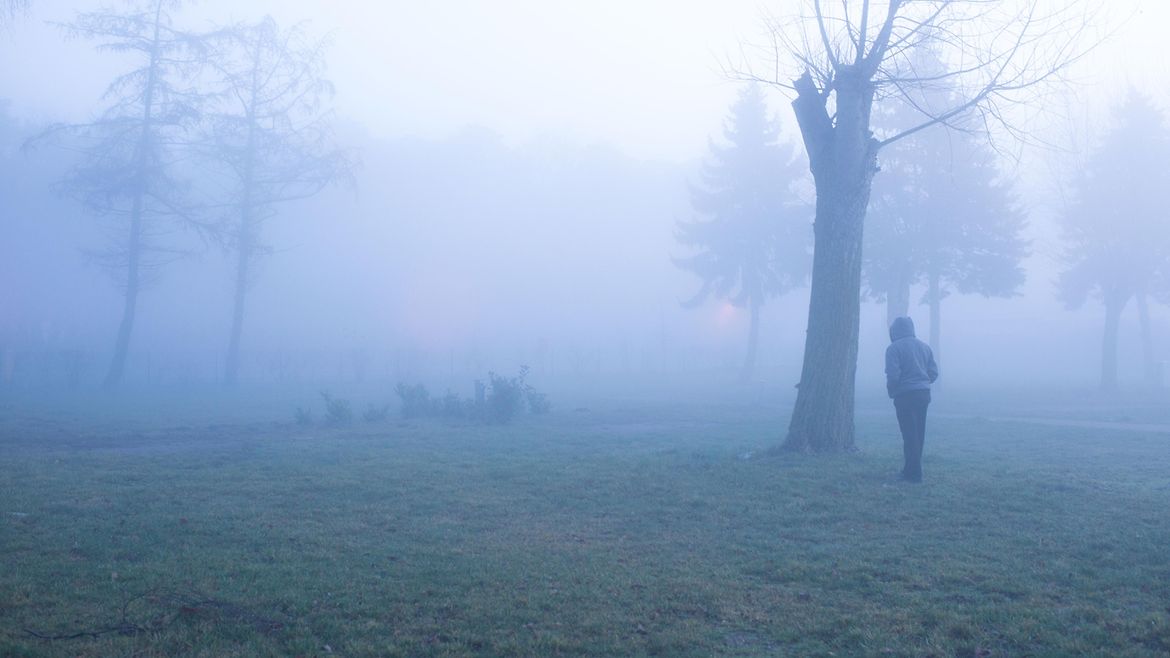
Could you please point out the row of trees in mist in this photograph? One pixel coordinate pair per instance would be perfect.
(205, 132)
(847, 57)
(457, 254)
(1117, 228)
(940, 215)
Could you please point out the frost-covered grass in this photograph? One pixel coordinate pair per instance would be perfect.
(615, 530)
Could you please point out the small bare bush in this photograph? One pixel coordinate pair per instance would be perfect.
(337, 410)
(375, 413)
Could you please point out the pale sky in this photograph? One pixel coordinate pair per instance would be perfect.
(641, 75)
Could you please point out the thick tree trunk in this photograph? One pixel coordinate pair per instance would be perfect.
(1113, 307)
(842, 157)
(749, 362)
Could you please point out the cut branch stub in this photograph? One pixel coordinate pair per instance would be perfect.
(816, 128)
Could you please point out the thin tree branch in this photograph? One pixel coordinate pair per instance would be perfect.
(825, 36)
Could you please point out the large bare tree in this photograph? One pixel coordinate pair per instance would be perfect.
(849, 55)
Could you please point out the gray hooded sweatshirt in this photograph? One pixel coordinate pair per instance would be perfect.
(910, 364)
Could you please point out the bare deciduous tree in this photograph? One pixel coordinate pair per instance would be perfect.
(125, 173)
(854, 53)
(271, 138)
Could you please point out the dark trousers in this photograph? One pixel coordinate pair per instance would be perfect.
(911, 409)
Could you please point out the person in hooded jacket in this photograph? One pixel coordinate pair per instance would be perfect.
(910, 370)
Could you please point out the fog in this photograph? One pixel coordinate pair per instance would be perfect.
(527, 327)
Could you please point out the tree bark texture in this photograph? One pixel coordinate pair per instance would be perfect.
(843, 160)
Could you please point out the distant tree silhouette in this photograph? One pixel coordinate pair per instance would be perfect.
(754, 236)
(126, 173)
(270, 138)
(1116, 229)
(943, 215)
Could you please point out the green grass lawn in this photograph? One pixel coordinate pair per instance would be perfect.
(653, 530)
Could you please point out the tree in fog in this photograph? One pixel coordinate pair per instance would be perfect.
(270, 138)
(754, 240)
(1116, 227)
(852, 54)
(942, 215)
(126, 169)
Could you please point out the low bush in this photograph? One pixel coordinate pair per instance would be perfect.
(416, 400)
(498, 401)
(375, 413)
(505, 396)
(538, 403)
(337, 410)
(304, 416)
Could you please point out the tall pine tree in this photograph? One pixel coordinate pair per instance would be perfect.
(753, 239)
(941, 215)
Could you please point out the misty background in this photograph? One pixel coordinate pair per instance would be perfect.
(522, 169)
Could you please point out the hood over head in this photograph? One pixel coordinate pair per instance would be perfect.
(902, 328)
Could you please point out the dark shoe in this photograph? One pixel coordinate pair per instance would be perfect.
(913, 479)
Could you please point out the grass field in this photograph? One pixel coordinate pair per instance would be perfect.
(617, 529)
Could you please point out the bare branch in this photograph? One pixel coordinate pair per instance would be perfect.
(877, 52)
(825, 36)
(861, 32)
(1003, 79)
